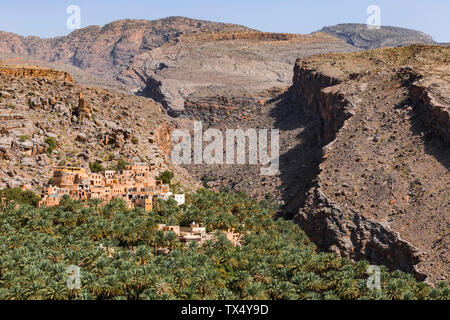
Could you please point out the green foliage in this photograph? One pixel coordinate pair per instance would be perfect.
(24, 138)
(165, 176)
(96, 167)
(121, 165)
(52, 144)
(115, 250)
(176, 188)
(205, 179)
(20, 196)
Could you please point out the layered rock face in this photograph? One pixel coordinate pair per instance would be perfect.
(22, 71)
(177, 60)
(360, 36)
(103, 51)
(382, 186)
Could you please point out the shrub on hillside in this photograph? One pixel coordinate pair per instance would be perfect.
(165, 176)
(52, 144)
(20, 196)
(96, 167)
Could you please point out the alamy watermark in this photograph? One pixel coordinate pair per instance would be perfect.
(74, 279)
(231, 150)
(74, 20)
(374, 20)
(374, 281)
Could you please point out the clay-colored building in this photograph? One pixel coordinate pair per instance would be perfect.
(196, 233)
(135, 185)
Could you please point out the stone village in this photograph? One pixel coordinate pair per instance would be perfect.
(135, 185)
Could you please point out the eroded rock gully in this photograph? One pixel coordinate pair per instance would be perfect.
(363, 154)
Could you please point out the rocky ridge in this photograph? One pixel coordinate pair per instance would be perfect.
(383, 174)
(88, 124)
(363, 155)
(360, 36)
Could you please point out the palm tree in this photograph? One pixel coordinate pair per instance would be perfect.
(347, 289)
(203, 282)
(162, 288)
(224, 294)
(256, 291)
(171, 239)
(282, 290)
(182, 278)
(143, 254)
(160, 241)
(241, 280)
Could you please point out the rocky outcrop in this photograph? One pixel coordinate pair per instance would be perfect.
(34, 72)
(330, 105)
(434, 105)
(163, 138)
(374, 108)
(83, 110)
(350, 234)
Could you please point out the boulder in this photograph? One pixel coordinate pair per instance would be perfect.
(81, 137)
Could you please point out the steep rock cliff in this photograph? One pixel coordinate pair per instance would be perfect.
(384, 168)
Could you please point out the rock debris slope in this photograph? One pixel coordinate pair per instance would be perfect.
(87, 124)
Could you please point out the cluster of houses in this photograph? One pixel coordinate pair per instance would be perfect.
(198, 234)
(135, 186)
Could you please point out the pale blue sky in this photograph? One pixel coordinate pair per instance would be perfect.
(47, 18)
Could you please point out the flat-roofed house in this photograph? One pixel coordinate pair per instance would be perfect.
(146, 204)
(135, 185)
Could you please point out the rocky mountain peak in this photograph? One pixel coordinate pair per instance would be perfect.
(358, 35)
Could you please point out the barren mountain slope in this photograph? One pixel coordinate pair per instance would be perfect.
(385, 173)
(103, 51)
(360, 36)
(38, 103)
(196, 69)
(177, 60)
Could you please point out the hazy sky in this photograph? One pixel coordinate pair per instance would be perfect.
(46, 18)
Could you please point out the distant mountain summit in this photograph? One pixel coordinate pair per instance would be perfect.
(183, 62)
(360, 36)
(102, 51)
